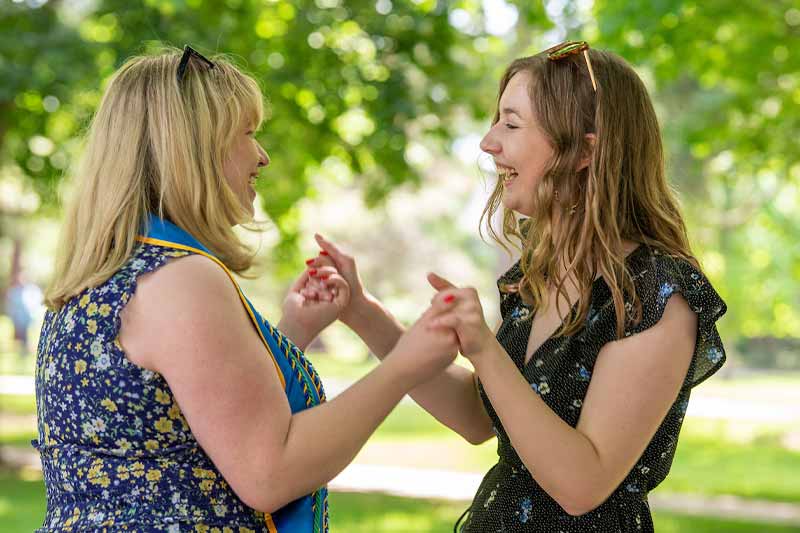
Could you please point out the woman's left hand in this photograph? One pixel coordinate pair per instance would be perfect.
(306, 315)
(460, 309)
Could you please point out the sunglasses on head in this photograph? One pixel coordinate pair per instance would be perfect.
(188, 54)
(568, 48)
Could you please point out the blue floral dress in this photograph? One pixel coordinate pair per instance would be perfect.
(117, 453)
(509, 499)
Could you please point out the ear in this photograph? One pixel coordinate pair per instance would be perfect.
(590, 139)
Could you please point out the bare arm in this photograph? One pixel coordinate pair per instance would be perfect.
(580, 467)
(187, 323)
(451, 396)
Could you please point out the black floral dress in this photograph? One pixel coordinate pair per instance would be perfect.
(509, 499)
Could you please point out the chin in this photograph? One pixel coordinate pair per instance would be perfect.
(510, 204)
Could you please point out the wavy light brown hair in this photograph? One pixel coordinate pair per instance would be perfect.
(156, 145)
(581, 218)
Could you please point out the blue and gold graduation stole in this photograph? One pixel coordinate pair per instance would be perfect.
(308, 514)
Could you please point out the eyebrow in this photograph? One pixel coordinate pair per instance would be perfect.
(510, 111)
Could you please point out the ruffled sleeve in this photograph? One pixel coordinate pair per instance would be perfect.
(657, 278)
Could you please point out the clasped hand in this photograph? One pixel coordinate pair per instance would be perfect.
(315, 300)
(460, 310)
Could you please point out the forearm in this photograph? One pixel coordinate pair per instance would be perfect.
(563, 461)
(323, 440)
(297, 334)
(450, 397)
(376, 326)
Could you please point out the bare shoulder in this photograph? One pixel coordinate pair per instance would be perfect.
(203, 276)
(187, 299)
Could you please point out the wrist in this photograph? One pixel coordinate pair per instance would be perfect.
(486, 354)
(296, 333)
(361, 307)
(402, 377)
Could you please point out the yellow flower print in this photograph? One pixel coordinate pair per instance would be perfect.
(137, 469)
(201, 528)
(84, 300)
(96, 469)
(164, 425)
(153, 475)
(243, 529)
(105, 309)
(202, 473)
(92, 309)
(206, 485)
(226, 529)
(109, 404)
(96, 475)
(91, 325)
(174, 411)
(123, 444)
(72, 519)
(122, 472)
(80, 366)
(163, 397)
(102, 481)
(151, 445)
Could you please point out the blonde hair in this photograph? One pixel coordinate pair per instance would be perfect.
(156, 145)
(622, 193)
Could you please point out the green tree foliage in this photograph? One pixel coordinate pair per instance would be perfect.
(349, 83)
(354, 85)
(728, 85)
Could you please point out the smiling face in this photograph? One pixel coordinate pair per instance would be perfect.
(518, 145)
(242, 164)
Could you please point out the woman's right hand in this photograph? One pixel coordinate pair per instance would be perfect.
(424, 351)
(345, 265)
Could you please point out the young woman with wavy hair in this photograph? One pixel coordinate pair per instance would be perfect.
(165, 401)
(608, 321)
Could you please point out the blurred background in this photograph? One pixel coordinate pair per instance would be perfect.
(376, 112)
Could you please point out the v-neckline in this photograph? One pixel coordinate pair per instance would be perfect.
(529, 329)
(573, 309)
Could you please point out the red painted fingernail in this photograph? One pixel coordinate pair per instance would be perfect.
(323, 252)
(312, 271)
(325, 276)
(309, 261)
(449, 298)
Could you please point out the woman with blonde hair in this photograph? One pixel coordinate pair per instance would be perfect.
(608, 321)
(165, 401)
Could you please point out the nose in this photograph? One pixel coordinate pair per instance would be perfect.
(489, 143)
(263, 157)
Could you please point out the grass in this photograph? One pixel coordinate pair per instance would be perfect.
(17, 404)
(22, 507)
(22, 501)
(378, 513)
(712, 459)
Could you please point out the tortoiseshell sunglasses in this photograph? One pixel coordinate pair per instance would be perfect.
(568, 48)
(189, 53)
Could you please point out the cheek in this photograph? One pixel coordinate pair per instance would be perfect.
(539, 158)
